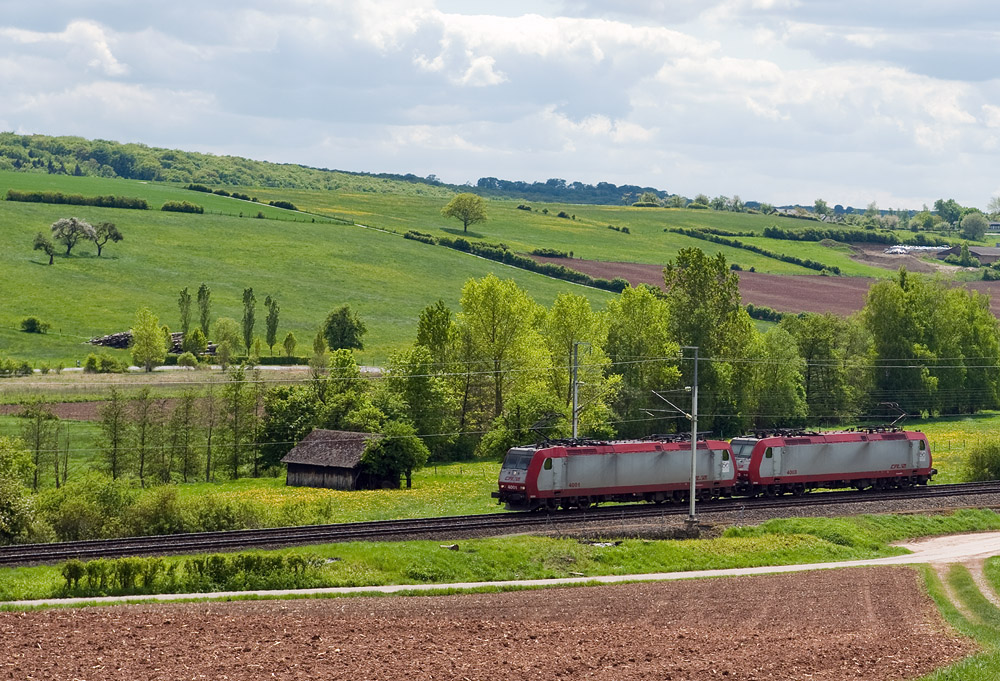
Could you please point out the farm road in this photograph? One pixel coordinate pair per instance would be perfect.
(965, 548)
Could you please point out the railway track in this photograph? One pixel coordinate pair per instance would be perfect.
(449, 527)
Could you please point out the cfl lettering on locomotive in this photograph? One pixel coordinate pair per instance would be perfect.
(577, 474)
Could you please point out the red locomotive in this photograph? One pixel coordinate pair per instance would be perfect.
(579, 473)
(796, 463)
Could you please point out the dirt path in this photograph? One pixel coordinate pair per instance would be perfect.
(831, 625)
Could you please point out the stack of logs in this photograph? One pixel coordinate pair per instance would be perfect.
(123, 340)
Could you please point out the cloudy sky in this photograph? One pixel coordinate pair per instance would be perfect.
(784, 101)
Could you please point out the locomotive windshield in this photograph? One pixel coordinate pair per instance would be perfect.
(518, 459)
(742, 448)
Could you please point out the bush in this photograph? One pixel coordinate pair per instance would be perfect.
(187, 359)
(10, 367)
(103, 364)
(34, 325)
(287, 205)
(697, 206)
(221, 192)
(420, 236)
(182, 207)
(983, 461)
(523, 207)
(199, 188)
(645, 204)
(550, 253)
(562, 214)
(241, 197)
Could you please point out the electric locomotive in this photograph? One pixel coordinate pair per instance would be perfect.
(578, 473)
(798, 462)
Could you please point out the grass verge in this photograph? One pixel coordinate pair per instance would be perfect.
(356, 564)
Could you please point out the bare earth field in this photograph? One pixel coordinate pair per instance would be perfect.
(786, 293)
(831, 625)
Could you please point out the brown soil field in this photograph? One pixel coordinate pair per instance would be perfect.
(73, 411)
(786, 293)
(829, 625)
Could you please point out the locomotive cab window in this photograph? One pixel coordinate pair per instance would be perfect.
(518, 459)
(547, 465)
(725, 455)
(923, 445)
(769, 453)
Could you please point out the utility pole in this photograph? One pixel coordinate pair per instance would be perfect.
(576, 388)
(694, 438)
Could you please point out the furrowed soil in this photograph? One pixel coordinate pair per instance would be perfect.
(785, 293)
(863, 623)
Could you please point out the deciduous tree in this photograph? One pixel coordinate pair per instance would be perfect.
(69, 231)
(272, 321)
(249, 317)
(148, 345)
(343, 328)
(205, 308)
(45, 245)
(184, 305)
(105, 232)
(469, 209)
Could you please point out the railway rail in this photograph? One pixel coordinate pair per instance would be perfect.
(446, 527)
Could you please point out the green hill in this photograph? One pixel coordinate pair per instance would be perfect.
(309, 267)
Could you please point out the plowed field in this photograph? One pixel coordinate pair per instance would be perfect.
(786, 293)
(864, 623)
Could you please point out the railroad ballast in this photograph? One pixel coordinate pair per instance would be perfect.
(578, 473)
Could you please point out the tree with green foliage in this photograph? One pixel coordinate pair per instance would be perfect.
(434, 331)
(974, 226)
(184, 305)
(145, 415)
(237, 414)
(414, 376)
(289, 344)
(69, 231)
(16, 503)
(642, 353)
(227, 331)
(249, 317)
(272, 322)
(182, 436)
(469, 209)
(343, 329)
(983, 460)
(45, 245)
(398, 452)
(39, 432)
(205, 308)
(820, 207)
(835, 374)
(105, 232)
(950, 211)
(148, 346)
(114, 426)
(706, 312)
(502, 320)
(195, 342)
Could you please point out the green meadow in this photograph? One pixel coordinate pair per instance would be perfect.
(309, 267)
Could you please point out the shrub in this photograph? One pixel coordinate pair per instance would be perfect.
(549, 253)
(187, 359)
(77, 199)
(420, 236)
(697, 206)
(563, 214)
(287, 205)
(221, 192)
(242, 197)
(34, 325)
(645, 204)
(983, 461)
(523, 207)
(182, 207)
(103, 364)
(199, 188)
(73, 571)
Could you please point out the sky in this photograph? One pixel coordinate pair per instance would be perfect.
(784, 101)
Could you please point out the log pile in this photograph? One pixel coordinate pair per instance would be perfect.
(123, 340)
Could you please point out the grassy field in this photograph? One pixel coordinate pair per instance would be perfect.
(587, 236)
(310, 268)
(777, 542)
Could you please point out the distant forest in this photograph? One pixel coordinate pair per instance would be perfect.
(103, 158)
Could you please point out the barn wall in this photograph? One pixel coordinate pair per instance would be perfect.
(303, 475)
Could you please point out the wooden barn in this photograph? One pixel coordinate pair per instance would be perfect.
(331, 459)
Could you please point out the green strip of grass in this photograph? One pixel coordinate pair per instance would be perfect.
(986, 630)
(499, 559)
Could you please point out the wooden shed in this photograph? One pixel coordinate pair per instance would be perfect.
(331, 459)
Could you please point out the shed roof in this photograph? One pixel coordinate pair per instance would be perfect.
(334, 448)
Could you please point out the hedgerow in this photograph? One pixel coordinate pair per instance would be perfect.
(735, 243)
(109, 201)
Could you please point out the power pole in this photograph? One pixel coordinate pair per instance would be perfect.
(694, 437)
(576, 389)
